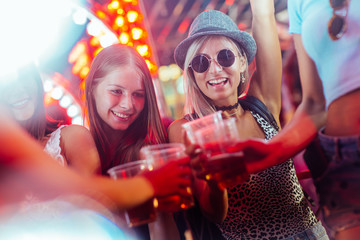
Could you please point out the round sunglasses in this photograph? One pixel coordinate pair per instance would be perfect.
(337, 24)
(201, 62)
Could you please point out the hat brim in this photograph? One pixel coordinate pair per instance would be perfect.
(244, 39)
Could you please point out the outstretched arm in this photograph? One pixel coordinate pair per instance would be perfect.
(266, 80)
(33, 170)
(309, 117)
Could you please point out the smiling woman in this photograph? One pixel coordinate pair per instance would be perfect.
(123, 112)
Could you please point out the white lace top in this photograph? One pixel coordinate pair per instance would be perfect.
(53, 146)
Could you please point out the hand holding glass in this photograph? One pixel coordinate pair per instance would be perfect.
(216, 162)
(144, 213)
(169, 153)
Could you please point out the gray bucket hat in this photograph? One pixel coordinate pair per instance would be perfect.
(213, 22)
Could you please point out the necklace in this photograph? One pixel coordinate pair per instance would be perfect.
(232, 114)
(227, 108)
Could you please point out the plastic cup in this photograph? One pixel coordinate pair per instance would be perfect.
(192, 126)
(160, 154)
(214, 141)
(144, 213)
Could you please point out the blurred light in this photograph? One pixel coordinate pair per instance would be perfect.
(78, 50)
(57, 93)
(120, 21)
(184, 25)
(132, 16)
(48, 85)
(120, 11)
(94, 27)
(84, 72)
(65, 101)
(137, 33)
(152, 67)
(242, 26)
(97, 51)
(100, 14)
(114, 5)
(180, 85)
(29, 29)
(77, 120)
(94, 41)
(143, 50)
(124, 38)
(107, 40)
(73, 110)
(80, 16)
(229, 2)
(81, 62)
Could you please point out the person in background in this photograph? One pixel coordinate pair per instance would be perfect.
(122, 113)
(71, 145)
(327, 42)
(215, 58)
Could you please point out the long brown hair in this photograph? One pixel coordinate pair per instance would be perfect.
(146, 129)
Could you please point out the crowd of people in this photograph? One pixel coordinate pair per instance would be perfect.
(55, 175)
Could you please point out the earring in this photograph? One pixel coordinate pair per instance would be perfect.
(242, 77)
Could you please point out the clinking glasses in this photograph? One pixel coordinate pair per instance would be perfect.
(201, 62)
(337, 24)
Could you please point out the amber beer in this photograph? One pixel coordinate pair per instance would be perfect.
(160, 154)
(141, 214)
(218, 161)
(174, 203)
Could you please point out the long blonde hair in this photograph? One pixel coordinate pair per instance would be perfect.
(196, 102)
(146, 129)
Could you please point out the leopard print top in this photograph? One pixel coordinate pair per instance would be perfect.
(270, 205)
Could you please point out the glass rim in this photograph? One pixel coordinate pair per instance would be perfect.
(129, 165)
(162, 147)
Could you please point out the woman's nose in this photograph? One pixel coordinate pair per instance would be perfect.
(126, 102)
(215, 66)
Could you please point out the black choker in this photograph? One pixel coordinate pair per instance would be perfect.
(227, 108)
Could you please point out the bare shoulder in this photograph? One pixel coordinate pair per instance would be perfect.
(75, 131)
(175, 130)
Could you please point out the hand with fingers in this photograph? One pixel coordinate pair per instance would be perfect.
(258, 155)
(171, 183)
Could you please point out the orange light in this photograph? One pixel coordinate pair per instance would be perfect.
(143, 50)
(82, 86)
(78, 50)
(120, 11)
(114, 5)
(94, 41)
(100, 14)
(120, 21)
(132, 16)
(81, 62)
(184, 26)
(84, 72)
(137, 33)
(152, 67)
(97, 51)
(124, 38)
(229, 2)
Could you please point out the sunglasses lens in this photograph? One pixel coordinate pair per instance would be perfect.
(336, 27)
(200, 64)
(226, 58)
